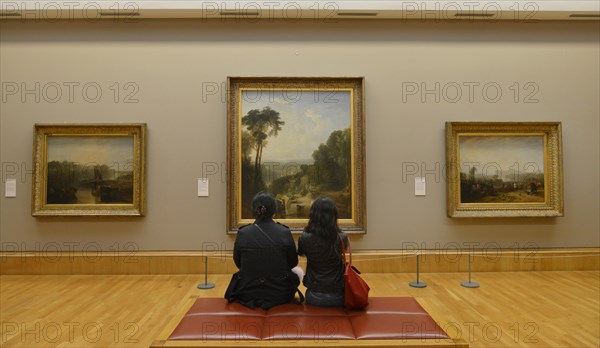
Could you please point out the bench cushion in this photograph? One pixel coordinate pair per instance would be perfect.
(386, 318)
(219, 328)
(317, 328)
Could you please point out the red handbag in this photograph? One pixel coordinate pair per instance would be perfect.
(356, 290)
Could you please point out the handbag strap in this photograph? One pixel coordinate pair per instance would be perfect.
(300, 294)
(266, 235)
(349, 249)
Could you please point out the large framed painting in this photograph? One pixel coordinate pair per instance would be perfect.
(504, 169)
(299, 139)
(89, 170)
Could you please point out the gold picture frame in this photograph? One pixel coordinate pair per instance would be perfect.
(299, 138)
(89, 170)
(504, 169)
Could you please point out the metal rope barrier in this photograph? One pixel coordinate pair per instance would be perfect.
(460, 254)
(419, 284)
(206, 284)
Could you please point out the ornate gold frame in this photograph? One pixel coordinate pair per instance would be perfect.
(553, 174)
(357, 224)
(39, 205)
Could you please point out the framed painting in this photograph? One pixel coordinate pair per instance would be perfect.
(89, 170)
(504, 169)
(299, 139)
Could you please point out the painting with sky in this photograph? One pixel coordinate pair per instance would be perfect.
(90, 169)
(296, 144)
(502, 169)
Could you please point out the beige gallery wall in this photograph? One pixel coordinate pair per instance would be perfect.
(167, 70)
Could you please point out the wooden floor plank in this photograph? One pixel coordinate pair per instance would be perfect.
(520, 309)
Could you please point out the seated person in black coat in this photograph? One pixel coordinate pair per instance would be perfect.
(265, 253)
(321, 243)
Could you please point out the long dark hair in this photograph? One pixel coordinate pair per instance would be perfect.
(263, 205)
(323, 219)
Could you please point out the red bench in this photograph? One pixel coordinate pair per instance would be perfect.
(214, 322)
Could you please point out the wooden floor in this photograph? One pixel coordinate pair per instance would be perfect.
(521, 309)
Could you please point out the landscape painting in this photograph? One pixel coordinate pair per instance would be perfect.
(504, 169)
(89, 170)
(297, 140)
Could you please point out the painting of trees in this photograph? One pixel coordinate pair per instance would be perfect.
(299, 139)
(296, 182)
(261, 124)
(332, 162)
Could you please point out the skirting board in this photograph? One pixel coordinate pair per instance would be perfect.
(385, 261)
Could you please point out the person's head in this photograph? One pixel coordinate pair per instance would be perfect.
(323, 219)
(263, 205)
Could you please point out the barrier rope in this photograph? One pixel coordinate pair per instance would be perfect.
(490, 255)
(527, 254)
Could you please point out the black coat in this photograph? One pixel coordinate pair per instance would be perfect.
(324, 267)
(265, 261)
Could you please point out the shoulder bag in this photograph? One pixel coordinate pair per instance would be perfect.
(356, 290)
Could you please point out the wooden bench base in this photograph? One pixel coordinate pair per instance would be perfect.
(446, 343)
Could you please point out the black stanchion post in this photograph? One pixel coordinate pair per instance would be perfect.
(206, 284)
(417, 284)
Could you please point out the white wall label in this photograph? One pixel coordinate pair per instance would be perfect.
(420, 186)
(10, 188)
(202, 187)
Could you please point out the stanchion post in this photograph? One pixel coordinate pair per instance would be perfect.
(417, 284)
(206, 284)
(469, 284)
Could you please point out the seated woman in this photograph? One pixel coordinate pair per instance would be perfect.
(265, 253)
(321, 244)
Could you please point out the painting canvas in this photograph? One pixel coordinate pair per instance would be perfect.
(89, 170)
(298, 139)
(504, 169)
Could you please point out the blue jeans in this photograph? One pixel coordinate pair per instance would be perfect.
(325, 299)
